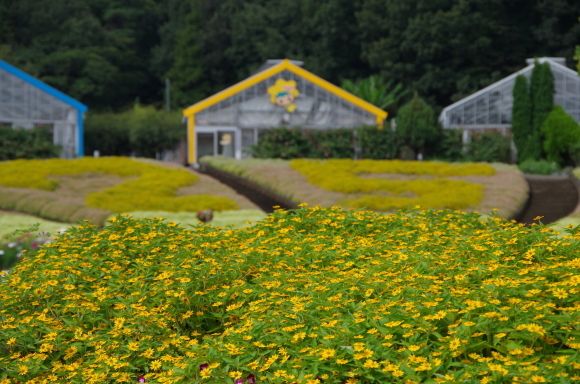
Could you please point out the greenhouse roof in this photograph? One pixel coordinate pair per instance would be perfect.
(43, 86)
(285, 65)
(491, 106)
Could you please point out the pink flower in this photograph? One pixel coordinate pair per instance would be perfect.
(251, 379)
(203, 366)
(141, 379)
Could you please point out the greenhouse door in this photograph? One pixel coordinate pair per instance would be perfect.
(221, 141)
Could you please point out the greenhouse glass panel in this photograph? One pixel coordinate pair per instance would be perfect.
(285, 99)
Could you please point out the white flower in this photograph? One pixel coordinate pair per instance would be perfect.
(1, 252)
(11, 245)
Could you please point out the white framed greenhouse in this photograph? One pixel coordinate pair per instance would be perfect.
(27, 102)
(280, 94)
(491, 107)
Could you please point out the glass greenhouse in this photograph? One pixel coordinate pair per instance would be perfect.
(281, 94)
(491, 107)
(27, 102)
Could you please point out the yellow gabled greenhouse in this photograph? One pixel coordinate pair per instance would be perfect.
(280, 94)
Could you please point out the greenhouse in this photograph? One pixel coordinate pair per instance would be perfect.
(491, 107)
(26, 102)
(280, 94)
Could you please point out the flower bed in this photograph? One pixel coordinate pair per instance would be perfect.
(387, 185)
(308, 296)
(341, 175)
(150, 187)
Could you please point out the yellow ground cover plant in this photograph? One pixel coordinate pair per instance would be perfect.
(309, 296)
(345, 175)
(151, 187)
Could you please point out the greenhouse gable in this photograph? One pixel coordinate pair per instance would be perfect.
(281, 94)
(27, 102)
(491, 107)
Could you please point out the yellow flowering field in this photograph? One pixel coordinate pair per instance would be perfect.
(148, 186)
(308, 296)
(344, 175)
(387, 185)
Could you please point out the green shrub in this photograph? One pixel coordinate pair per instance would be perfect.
(284, 143)
(330, 143)
(416, 125)
(108, 133)
(488, 147)
(143, 131)
(306, 296)
(378, 144)
(521, 116)
(153, 131)
(539, 167)
(20, 143)
(562, 137)
(281, 143)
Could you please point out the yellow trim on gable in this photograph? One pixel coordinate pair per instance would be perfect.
(337, 91)
(252, 80)
(285, 65)
(191, 139)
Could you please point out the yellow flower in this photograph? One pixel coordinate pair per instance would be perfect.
(327, 353)
(370, 364)
(414, 348)
(156, 364)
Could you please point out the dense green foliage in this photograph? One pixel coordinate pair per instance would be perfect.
(19, 143)
(284, 143)
(142, 131)
(385, 144)
(562, 137)
(542, 94)
(416, 125)
(108, 53)
(378, 91)
(308, 296)
(539, 167)
(521, 116)
(488, 147)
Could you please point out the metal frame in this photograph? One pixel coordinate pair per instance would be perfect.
(225, 107)
(26, 101)
(479, 110)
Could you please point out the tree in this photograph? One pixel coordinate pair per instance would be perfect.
(378, 91)
(521, 116)
(562, 135)
(542, 94)
(416, 125)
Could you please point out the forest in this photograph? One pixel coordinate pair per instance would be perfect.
(109, 54)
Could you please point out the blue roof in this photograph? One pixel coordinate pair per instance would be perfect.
(43, 86)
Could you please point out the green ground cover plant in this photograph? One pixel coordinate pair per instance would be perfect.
(308, 296)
